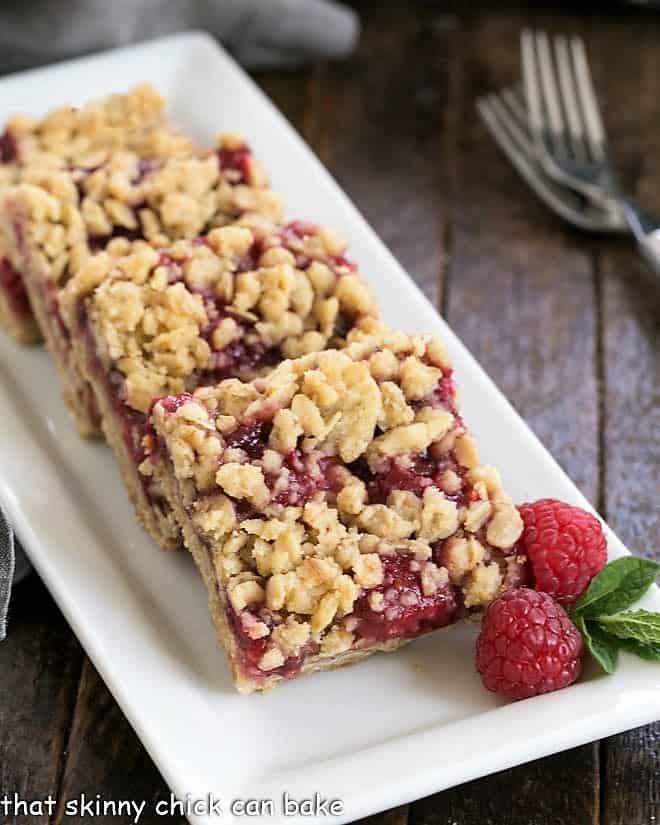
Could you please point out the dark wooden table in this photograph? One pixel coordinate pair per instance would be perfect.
(566, 324)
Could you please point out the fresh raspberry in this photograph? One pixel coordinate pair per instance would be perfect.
(528, 645)
(565, 547)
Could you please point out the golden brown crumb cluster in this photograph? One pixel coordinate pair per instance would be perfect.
(66, 213)
(162, 317)
(70, 137)
(316, 527)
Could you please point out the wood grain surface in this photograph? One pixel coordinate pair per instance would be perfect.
(566, 324)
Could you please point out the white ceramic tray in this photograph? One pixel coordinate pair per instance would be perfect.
(387, 731)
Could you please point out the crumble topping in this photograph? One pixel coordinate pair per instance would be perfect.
(72, 137)
(230, 303)
(67, 214)
(341, 496)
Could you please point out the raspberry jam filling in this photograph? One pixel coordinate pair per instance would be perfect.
(241, 357)
(414, 472)
(246, 354)
(304, 477)
(171, 403)
(134, 431)
(251, 438)
(444, 395)
(238, 160)
(398, 608)
(148, 165)
(293, 236)
(12, 285)
(295, 231)
(8, 148)
(300, 476)
(252, 650)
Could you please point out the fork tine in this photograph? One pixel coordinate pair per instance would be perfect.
(569, 97)
(559, 200)
(550, 92)
(516, 105)
(531, 82)
(516, 132)
(590, 108)
(507, 134)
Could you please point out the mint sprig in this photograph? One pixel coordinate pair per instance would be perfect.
(617, 587)
(649, 652)
(602, 647)
(601, 613)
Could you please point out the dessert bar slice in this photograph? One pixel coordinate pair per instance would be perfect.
(335, 507)
(66, 138)
(164, 192)
(233, 303)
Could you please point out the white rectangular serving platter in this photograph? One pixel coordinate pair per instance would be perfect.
(387, 731)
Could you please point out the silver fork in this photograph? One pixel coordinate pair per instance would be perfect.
(569, 135)
(564, 115)
(505, 117)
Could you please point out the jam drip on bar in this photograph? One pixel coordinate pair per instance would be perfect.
(12, 285)
(8, 148)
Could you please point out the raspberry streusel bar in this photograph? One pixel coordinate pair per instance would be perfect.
(166, 191)
(68, 139)
(335, 507)
(233, 303)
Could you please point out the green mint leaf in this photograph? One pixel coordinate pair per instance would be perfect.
(602, 647)
(640, 625)
(649, 652)
(618, 586)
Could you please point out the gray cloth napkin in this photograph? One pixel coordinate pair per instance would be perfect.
(7, 563)
(260, 33)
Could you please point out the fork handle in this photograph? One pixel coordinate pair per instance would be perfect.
(646, 230)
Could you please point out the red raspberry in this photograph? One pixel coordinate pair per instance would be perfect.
(565, 547)
(528, 645)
